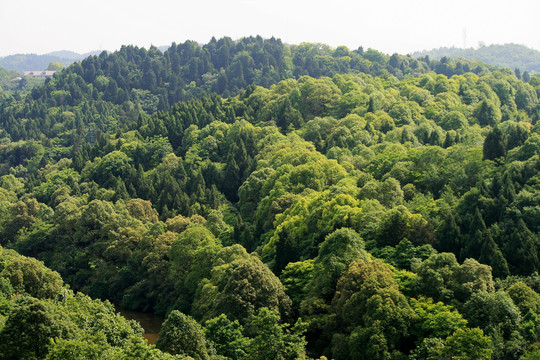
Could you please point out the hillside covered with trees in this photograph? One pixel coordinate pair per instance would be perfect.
(29, 62)
(274, 202)
(512, 56)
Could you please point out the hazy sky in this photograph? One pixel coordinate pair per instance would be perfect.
(40, 26)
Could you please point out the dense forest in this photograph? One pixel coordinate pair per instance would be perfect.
(512, 56)
(274, 202)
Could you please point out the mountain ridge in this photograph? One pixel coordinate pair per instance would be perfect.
(513, 56)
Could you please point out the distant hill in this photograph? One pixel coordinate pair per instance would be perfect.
(66, 54)
(513, 56)
(26, 62)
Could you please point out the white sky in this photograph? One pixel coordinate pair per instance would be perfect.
(41, 26)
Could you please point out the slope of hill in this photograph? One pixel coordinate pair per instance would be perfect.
(27, 62)
(151, 81)
(386, 210)
(66, 54)
(513, 56)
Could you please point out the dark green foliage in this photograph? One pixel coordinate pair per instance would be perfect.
(494, 145)
(182, 335)
(492, 312)
(368, 300)
(29, 329)
(226, 337)
(274, 340)
(250, 287)
(488, 113)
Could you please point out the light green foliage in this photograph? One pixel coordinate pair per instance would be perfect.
(454, 120)
(295, 278)
(532, 355)
(96, 348)
(55, 66)
(434, 319)
(11, 183)
(488, 113)
(466, 344)
(101, 319)
(183, 250)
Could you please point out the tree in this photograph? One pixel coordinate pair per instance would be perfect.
(454, 120)
(337, 251)
(274, 340)
(469, 278)
(492, 311)
(524, 297)
(369, 342)
(30, 328)
(295, 278)
(434, 320)
(28, 275)
(368, 299)
(435, 275)
(142, 210)
(182, 335)
(488, 113)
(250, 287)
(466, 344)
(226, 337)
(494, 145)
(534, 354)
(492, 255)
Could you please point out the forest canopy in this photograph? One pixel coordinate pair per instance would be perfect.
(274, 202)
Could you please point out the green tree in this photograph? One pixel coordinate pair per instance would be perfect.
(55, 66)
(524, 297)
(250, 287)
(492, 311)
(182, 335)
(494, 145)
(488, 113)
(275, 340)
(30, 276)
(435, 276)
(30, 328)
(467, 344)
(368, 299)
(226, 337)
(434, 320)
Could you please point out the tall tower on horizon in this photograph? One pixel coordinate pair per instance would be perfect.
(464, 37)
